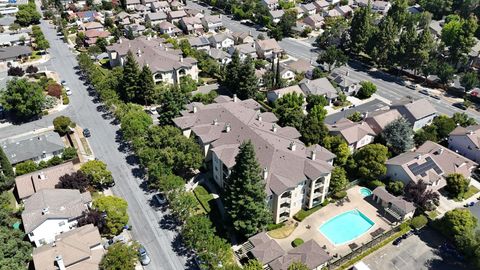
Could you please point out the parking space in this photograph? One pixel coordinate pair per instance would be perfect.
(418, 252)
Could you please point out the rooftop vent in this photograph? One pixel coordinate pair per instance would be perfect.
(45, 211)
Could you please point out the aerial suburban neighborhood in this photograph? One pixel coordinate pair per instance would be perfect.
(239, 134)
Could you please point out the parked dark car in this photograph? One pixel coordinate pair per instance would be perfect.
(397, 241)
(86, 132)
(460, 105)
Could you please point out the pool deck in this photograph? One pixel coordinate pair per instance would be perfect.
(317, 219)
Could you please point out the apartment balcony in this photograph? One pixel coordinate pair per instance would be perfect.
(319, 185)
(285, 200)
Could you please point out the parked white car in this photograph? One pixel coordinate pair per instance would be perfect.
(68, 91)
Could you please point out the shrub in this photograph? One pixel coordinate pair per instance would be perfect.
(271, 227)
(339, 194)
(15, 71)
(419, 221)
(69, 153)
(65, 99)
(54, 161)
(54, 90)
(325, 202)
(297, 242)
(49, 103)
(25, 167)
(63, 125)
(31, 69)
(395, 187)
(375, 183)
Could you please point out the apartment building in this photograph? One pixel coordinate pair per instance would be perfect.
(296, 176)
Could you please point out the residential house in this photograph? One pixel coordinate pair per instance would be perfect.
(299, 66)
(191, 25)
(286, 73)
(91, 36)
(50, 212)
(93, 26)
(244, 50)
(344, 11)
(242, 37)
(15, 53)
(175, 16)
(321, 5)
(142, 9)
(397, 207)
(177, 5)
(296, 176)
(36, 147)
(276, 15)
(309, 9)
(221, 56)
(156, 18)
(349, 86)
(436, 28)
(466, 141)
(168, 28)
(273, 95)
(87, 16)
(419, 112)
(199, 43)
(14, 39)
(259, 74)
(213, 22)
(431, 163)
(378, 120)
(381, 7)
(320, 86)
(268, 48)
(221, 41)
(263, 248)
(162, 6)
(300, 12)
(80, 248)
(26, 185)
(315, 21)
(356, 134)
(132, 3)
(271, 4)
(191, 12)
(167, 65)
(136, 28)
(148, 2)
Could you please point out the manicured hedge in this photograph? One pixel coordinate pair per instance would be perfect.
(297, 242)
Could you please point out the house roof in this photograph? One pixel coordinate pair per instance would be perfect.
(177, 14)
(342, 80)
(268, 44)
(14, 52)
(92, 25)
(308, 7)
(31, 146)
(79, 248)
(286, 167)
(213, 18)
(378, 120)
(309, 253)
(352, 132)
(276, 14)
(244, 48)
(417, 109)
(9, 38)
(471, 132)
(155, 16)
(198, 41)
(95, 33)
(289, 89)
(399, 202)
(167, 25)
(321, 86)
(48, 178)
(431, 161)
(300, 65)
(265, 249)
(218, 54)
(53, 204)
(154, 53)
(219, 38)
(192, 21)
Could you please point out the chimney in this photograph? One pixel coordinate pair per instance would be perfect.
(418, 156)
(470, 132)
(440, 151)
(274, 128)
(215, 122)
(308, 81)
(139, 53)
(195, 109)
(181, 59)
(45, 211)
(347, 73)
(365, 115)
(259, 117)
(60, 263)
(228, 128)
(42, 176)
(314, 155)
(235, 99)
(265, 173)
(293, 146)
(249, 32)
(120, 41)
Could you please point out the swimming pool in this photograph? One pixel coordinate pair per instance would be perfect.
(365, 192)
(346, 227)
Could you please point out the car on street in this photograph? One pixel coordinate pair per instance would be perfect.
(68, 91)
(423, 91)
(263, 29)
(160, 199)
(435, 96)
(63, 82)
(143, 255)
(117, 239)
(460, 105)
(86, 132)
(397, 241)
(412, 86)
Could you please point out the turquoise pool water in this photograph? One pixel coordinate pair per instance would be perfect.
(346, 227)
(365, 192)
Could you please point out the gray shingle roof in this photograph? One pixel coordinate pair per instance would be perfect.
(399, 202)
(14, 52)
(321, 86)
(31, 146)
(415, 110)
(156, 16)
(309, 253)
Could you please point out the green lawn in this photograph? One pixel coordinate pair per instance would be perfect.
(11, 198)
(345, 104)
(470, 192)
(203, 198)
(303, 214)
(432, 214)
(35, 55)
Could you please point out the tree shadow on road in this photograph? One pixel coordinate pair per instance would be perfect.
(179, 246)
(169, 222)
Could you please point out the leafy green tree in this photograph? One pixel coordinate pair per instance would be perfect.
(27, 15)
(115, 209)
(395, 187)
(428, 133)
(102, 43)
(367, 89)
(233, 70)
(69, 153)
(458, 36)
(382, 46)
(361, 29)
(398, 136)
(187, 84)
(463, 119)
(338, 180)
(173, 102)
(318, 73)
(15, 253)
(135, 123)
(22, 99)
(182, 205)
(285, 25)
(42, 44)
(97, 172)
(63, 125)
(370, 161)
(427, 200)
(298, 266)
(458, 221)
(419, 221)
(247, 83)
(6, 168)
(398, 12)
(289, 110)
(147, 85)
(334, 35)
(438, 8)
(355, 117)
(313, 100)
(313, 129)
(339, 147)
(457, 185)
(129, 82)
(25, 167)
(444, 125)
(333, 57)
(245, 197)
(469, 81)
(120, 256)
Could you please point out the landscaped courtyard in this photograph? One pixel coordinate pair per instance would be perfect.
(309, 228)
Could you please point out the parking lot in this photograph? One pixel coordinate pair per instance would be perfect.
(418, 252)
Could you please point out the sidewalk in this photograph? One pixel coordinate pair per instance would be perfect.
(85, 152)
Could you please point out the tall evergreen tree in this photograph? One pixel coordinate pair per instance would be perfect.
(361, 28)
(232, 73)
(247, 81)
(278, 76)
(313, 129)
(245, 197)
(130, 77)
(146, 86)
(382, 46)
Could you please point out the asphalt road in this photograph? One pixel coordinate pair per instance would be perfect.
(366, 107)
(150, 225)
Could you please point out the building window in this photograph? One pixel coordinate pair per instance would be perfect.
(61, 223)
(31, 234)
(42, 241)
